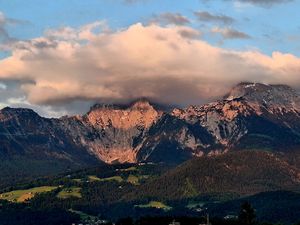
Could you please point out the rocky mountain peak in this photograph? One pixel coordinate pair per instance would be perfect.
(8, 113)
(17, 110)
(271, 96)
(141, 104)
(251, 114)
(124, 116)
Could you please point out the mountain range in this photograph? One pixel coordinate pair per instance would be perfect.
(250, 116)
(144, 158)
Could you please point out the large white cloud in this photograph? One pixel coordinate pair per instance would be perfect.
(169, 64)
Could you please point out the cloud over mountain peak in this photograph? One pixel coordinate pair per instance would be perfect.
(167, 63)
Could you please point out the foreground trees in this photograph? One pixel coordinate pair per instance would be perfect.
(247, 214)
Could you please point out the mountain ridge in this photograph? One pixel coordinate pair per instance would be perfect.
(250, 116)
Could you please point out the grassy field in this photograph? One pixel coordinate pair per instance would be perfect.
(83, 216)
(22, 195)
(155, 204)
(114, 178)
(70, 192)
(133, 180)
(133, 168)
(93, 178)
(77, 180)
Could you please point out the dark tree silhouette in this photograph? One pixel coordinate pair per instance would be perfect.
(125, 221)
(247, 214)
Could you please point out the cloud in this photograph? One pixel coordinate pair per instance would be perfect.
(230, 33)
(170, 18)
(264, 3)
(133, 1)
(4, 22)
(162, 63)
(12, 95)
(9, 21)
(3, 86)
(6, 41)
(208, 17)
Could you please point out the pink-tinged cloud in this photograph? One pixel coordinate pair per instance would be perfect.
(169, 64)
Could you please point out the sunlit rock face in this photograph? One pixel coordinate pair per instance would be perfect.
(250, 116)
(140, 113)
(120, 129)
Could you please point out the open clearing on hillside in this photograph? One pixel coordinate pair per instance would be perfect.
(70, 192)
(155, 204)
(133, 168)
(77, 180)
(133, 179)
(114, 178)
(83, 215)
(93, 178)
(22, 195)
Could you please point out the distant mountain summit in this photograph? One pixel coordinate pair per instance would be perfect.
(140, 112)
(266, 95)
(250, 116)
(120, 129)
(141, 103)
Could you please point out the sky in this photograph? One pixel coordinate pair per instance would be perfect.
(60, 57)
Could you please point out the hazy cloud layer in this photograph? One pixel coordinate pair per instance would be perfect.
(170, 18)
(168, 64)
(133, 1)
(265, 2)
(5, 39)
(209, 17)
(230, 33)
(257, 2)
